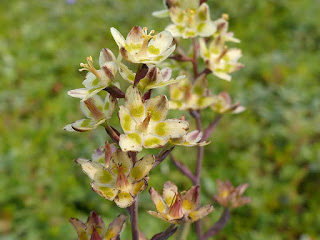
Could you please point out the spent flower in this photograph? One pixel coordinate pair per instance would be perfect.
(145, 124)
(94, 228)
(230, 196)
(143, 47)
(121, 180)
(97, 80)
(178, 208)
(191, 139)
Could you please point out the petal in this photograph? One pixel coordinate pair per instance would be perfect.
(107, 73)
(97, 101)
(163, 55)
(110, 103)
(85, 93)
(160, 44)
(200, 85)
(161, 14)
(134, 40)
(115, 227)
(120, 158)
(175, 30)
(194, 136)
(178, 16)
(203, 13)
(172, 128)
(170, 190)
(201, 212)
(222, 75)
(130, 142)
(206, 29)
(126, 73)
(126, 120)
(158, 201)
(117, 36)
(191, 199)
(124, 200)
(139, 186)
(106, 55)
(106, 192)
(80, 227)
(99, 155)
(152, 141)
(84, 125)
(142, 168)
(91, 81)
(158, 108)
(68, 128)
(158, 215)
(95, 222)
(133, 102)
(204, 102)
(204, 52)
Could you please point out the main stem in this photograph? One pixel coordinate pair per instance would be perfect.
(133, 211)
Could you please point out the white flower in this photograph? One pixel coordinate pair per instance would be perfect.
(97, 80)
(141, 47)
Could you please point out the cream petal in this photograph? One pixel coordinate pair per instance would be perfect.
(134, 40)
(127, 122)
(106, 192)
(84, 125)
(139, 186)
(161, 14)
(124, 199)
(158, 201)
(152, 141)
(170, 190)
(90, 168)
(110, 103)
(158, 215)
(175, 30)
(126, 73)
(68, 128)
(200, 213)
(117, 36)
(133, 102)
(106, 55)
(97, 101)
(158, 108)
(115, 227)
(171, 128)
(203, 13)
(206, 29)
(120, 158)
(91, 81)
(190, 201)
(161, 43)
(194, 136)
(142, 168)
(130, 142)
(178, 16)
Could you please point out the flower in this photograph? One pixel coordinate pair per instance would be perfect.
(190, 139)
(121, 180)
(189, 19)
(97, 80)
(155, 77)
(222, 30)
(223, 104)
(176, 208)
(97, 112)
(219, 59)
(144, 123)
(185, 96)
(94, 228)
(141, 47)
(229, 196)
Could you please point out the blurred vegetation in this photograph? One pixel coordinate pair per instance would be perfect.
(274, 145)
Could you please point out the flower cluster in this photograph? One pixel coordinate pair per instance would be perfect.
(123, 89)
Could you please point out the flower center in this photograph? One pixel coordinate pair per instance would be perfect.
(90, 68)
(147, 37)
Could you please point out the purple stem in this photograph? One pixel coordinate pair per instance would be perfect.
(218, 226)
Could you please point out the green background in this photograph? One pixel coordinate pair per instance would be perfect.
(274, 145)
